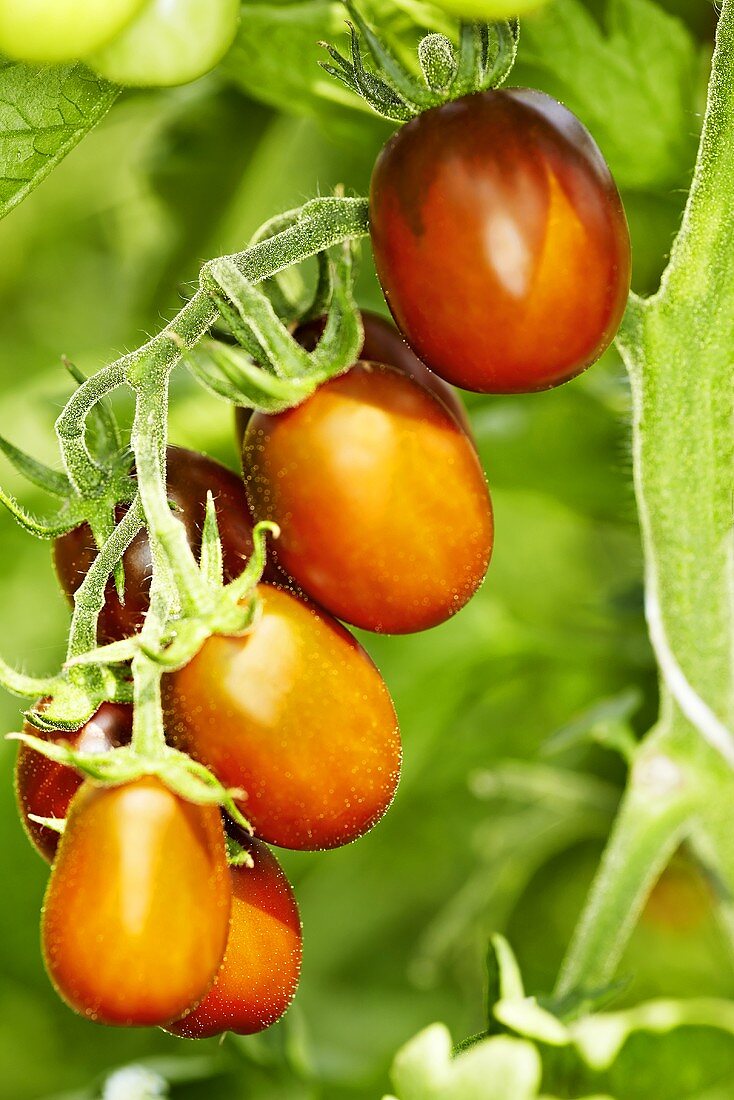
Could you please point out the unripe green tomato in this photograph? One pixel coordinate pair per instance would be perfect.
(61, 30)
(487, 10)
(170, 42)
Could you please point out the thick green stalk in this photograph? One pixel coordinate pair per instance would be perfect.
(679, 351)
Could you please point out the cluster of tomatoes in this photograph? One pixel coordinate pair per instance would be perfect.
(131, 42)
(503, 251)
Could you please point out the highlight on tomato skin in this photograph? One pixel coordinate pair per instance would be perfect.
(45, 788)
(384, 513)
(189, 476)
(500, 241)
(259, 976)
(382, 344)
(136, 914)
(296, 714)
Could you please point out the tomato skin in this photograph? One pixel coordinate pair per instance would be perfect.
(45, 788)
(262, 963)
(384, 512)
(295, 714)
(189, 475)
(382, 344)
(500, 241)
(136, 914)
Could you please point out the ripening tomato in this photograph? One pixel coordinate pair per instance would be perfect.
(500, 241)
(170, 42)
(61, 30)
(262, 963)
(136, 914)
(382, 344)
(190, 475)
(45, 788)
(295, 714)
(383, 508)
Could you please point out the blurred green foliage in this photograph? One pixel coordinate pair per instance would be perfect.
(497, 825)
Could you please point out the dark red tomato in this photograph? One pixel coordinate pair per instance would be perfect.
(136, 915)
(45, 788)
(296, 715)
(259, 975)
(383, 508)
(500, 241)
(190, 475)
(382, 344)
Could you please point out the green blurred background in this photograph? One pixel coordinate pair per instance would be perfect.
(506, 796)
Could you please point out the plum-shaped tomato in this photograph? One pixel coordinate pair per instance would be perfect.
(500, 241)
(383, 508)
(136, 915)
(295, 714)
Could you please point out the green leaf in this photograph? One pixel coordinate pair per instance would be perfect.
(44, 112)
(499, 1068)
(634, 83)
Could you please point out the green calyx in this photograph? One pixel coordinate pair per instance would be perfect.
(481, 59)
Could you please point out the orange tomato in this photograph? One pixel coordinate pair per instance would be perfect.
(383, 508)
(295, 714)
(136, 915)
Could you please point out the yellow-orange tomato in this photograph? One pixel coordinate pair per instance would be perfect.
(296, 715)
(136, 914)
(259, 975)
(383, 508)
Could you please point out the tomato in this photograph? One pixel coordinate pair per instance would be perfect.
(500, 241)
(136, 915)
(190, 475)
(262, 963)
(170, 42)
(295, 714)
(382, 344)
(45, 788)
(61, 30)
(383, 508)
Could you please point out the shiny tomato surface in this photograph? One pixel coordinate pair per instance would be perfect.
(382, 344)
(296, 715)
(259, 975)
(45, 788)
(500, 241)
(382, 504)
(190, 476)
(136, 915)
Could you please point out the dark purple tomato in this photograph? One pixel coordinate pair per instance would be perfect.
(190, 475)
(500, 241)
(382, 504)
(45, 788)
(262, 963)
(382, 344)
(136, 915)
(296, 715)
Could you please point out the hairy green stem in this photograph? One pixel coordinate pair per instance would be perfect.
(679, 351)
(90, 596)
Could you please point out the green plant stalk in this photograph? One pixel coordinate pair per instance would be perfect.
(678, 347)
(177, 585)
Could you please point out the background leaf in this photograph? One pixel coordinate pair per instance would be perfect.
(44, 112)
